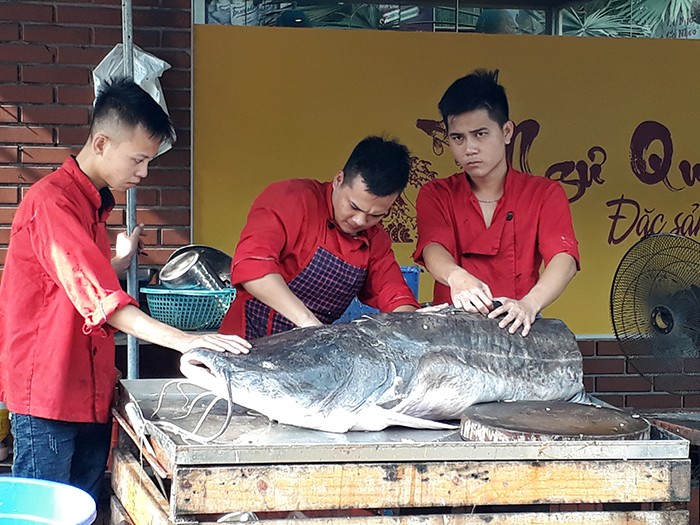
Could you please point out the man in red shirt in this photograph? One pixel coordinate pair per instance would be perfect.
(309, 247)
(61, 301)
(483, 233)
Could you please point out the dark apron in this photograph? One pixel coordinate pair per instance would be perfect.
(327, 286)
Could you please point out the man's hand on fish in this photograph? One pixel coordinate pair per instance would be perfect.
(469, 293)
(513, 315)
(219, 343)
(432, 308)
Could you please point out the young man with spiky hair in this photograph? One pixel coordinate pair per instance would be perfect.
(484, 232)
(61, 301)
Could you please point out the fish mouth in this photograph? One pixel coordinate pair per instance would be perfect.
(198, 370)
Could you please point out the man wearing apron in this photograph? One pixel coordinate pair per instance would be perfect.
(483, 233)
(309, 247)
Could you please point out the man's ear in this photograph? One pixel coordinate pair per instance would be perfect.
(99, 142)
(338, 179)
(508, 129)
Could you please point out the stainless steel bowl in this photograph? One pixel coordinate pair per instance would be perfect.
(189, 270)
(218, 261)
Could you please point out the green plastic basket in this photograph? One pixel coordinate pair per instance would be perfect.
(191, 309)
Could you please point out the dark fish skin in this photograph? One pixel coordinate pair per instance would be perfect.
(410, 369)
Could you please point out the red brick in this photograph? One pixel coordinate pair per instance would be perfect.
(156, 256)
(55, 74)
(6, 215)
(177, 39)
(107, 36)
(677, 383)
(150, 3)
(691, 401)
(181, 120)
(81, 95)
(55, 114)
(176, 79)
(174, 158)
(9, 114)
(84, 55)
(96, 16)
(179, 99)
(3, 255)
(56, 34)
(26, 135)
(9, 195)
(171, 236)
(9, 154)
(161, 18)
(609, 347)
(587, 348)
(9, 73)
(653, 366)
(614, 400)
(21, 174)
(622, 384)
(166, 178)
(589, 384)
(174, 197)
(177, 59)
(603, 366)
(117, 217)
(9, 31)
(26, 12)
(165, 217)
(654, 401)
(691, 365)
(148, 39)
(144, 197)
(27, 53)
(5, 235)
(46, 155)
(31, 94)
(72, 136)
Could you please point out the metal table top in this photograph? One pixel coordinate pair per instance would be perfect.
(253, 439)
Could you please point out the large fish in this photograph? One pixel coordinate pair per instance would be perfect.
(411, 369)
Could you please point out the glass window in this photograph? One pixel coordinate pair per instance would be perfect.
(612, 18)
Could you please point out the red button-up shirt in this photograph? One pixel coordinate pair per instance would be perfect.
(531, 224)
(286, 223)
(58, 288)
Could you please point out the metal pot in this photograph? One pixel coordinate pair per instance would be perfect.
(189, 270)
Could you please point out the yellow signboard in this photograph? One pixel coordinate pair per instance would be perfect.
(614, 120)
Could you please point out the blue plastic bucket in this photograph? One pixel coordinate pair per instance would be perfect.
(34, 501)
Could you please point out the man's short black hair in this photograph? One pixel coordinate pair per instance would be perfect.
(478, 90)
(383, 164)
(122, 100)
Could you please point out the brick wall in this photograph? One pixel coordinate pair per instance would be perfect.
(609, 376)
(47, 53)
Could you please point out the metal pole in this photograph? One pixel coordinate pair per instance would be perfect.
(132, 282)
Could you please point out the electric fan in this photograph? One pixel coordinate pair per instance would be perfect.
(655, 309)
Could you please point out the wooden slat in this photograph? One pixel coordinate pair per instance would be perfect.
(389, 485)
(136, 491)
(118, 515)
(525, 518)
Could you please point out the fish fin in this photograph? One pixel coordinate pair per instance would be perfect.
(377, 418)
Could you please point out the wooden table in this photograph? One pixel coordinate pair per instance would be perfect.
(390, 477)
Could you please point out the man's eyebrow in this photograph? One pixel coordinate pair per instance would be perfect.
(363, 211)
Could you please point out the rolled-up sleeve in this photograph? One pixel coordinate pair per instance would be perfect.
(72, 258)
